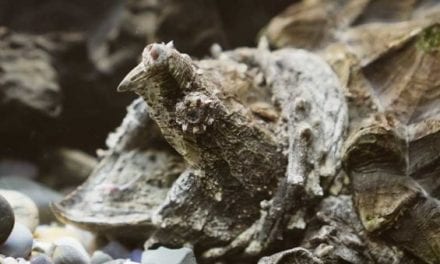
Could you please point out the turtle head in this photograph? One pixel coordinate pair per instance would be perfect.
(153, 55)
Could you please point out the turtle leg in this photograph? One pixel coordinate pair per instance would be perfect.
(270, 226)
(288, 195)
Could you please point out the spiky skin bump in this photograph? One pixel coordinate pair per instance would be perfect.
(195, 113)
(188, 99)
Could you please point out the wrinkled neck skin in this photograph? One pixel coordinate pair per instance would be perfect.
(210, 128)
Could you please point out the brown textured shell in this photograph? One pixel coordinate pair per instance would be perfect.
(391, 75)
(404, 84)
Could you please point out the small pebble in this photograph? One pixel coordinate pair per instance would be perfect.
(52, 233)
(10, 260)
(42, 247)
(116, 250)
(19, 243)
(121, 261)
(22, 261)
(169, 256)
(6, 219)
(136, 255)
(64, 254)
(25, 210)
(41, 259)
(69, 251)
(100, 257)
(74, 243)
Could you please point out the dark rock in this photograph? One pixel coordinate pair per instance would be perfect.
(64, 51)
(64, 167)
(30, 95)
(6, 219)
(203, 23)
(27, 77)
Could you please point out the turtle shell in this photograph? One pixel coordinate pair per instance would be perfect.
(387, 55)
(392, 155)
(130, 182)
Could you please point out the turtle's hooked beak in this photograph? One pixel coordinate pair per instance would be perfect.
(133, 79)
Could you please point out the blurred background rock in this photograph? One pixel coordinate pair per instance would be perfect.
(67, 57)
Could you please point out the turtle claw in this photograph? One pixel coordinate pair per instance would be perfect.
(247, 242)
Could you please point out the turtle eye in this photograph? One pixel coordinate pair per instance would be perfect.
(193, 116)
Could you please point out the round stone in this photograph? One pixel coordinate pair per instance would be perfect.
(69, 250)
(19, 242)
(6, 219)
(122, 261)
(100, 257)
(25, 210)
(136, 255)
(42, 247)
(64, 254)
(41, 259)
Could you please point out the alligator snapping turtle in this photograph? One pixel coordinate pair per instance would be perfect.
(261, 134)
(233, 153)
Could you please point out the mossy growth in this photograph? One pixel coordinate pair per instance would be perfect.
(429, 40)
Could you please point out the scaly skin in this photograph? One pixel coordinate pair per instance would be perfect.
(277, 152)
(208, 132)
